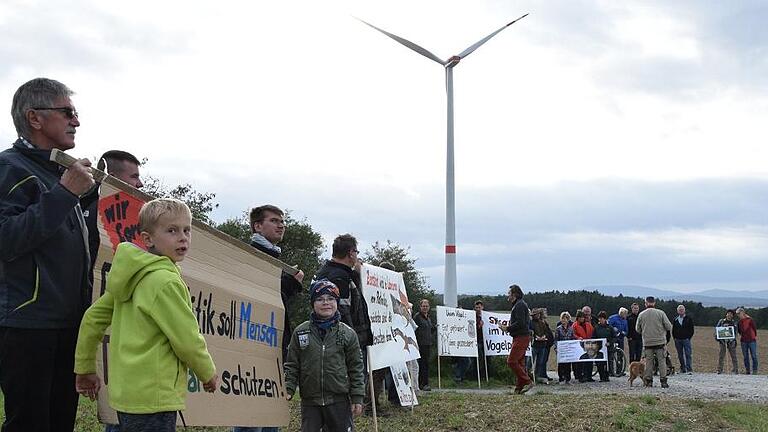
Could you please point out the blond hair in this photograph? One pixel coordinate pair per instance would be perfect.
(565, 315)
(150, 213)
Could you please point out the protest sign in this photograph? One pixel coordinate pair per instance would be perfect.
(235, 295)
(456, 332)
(725, 333)
(394, 339)
(585, 350)
(497, 342)
(403, 384)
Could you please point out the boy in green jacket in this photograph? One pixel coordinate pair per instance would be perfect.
(155, 334)
(325, 362)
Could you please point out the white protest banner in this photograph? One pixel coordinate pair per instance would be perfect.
(394, 339)
(585, 350)
(402, 380)
(456, 332)
(497, 342)
(235, 295)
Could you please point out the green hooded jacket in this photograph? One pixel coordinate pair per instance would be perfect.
(155, 335)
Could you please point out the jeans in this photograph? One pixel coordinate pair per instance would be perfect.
(683, 347)
(111, 428)
(541, 356)
(748, 348)
(156, 422)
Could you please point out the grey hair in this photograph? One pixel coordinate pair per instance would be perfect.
(39, 92)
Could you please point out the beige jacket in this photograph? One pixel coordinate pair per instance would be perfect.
(653, 325)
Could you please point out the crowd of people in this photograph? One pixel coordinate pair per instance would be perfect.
(49, 330)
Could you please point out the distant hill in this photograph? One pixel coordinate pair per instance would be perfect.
(724, 298)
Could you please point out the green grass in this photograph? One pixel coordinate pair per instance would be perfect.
(747, 416)
(444, 412)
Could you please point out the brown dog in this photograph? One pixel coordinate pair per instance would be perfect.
(636, 370)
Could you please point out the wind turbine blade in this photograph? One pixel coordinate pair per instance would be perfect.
(477, 45)
(408, 44)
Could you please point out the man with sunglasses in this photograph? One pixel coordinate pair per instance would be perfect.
(44, 261)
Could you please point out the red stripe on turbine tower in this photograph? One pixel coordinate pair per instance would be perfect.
(450, 249)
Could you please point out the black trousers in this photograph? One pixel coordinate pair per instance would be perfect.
(37, 379)
(635, 349)
(330, 418)
(564, 372)
(425, 351)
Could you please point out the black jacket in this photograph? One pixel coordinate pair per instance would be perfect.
(632, 334)
(425, 331)
(519, 319)
(43, 254)
(684, 331)
(289, 287)
(352, 305)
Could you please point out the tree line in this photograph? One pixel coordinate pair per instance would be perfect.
(558, 301)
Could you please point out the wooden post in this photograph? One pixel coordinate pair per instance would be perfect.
(439, 379)
(370, 389)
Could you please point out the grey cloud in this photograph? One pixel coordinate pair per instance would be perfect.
(53, 37)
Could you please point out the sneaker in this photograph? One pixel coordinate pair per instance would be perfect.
(664, 385)
(526, 388)
(689, 372)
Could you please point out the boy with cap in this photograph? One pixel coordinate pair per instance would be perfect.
(325, 362)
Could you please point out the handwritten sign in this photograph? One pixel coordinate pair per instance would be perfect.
(394, 338)
(456, 332)
(236, 299)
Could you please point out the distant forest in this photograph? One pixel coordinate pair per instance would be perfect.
(556, 302)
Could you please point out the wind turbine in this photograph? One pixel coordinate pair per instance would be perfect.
(451, 295)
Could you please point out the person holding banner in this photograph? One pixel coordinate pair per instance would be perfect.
(563, 332)
(325, 363)
(582, 329)
(425, 339)
(518, 328)
(727, 344)
(268, 229)
(44, 261)
(603, 330)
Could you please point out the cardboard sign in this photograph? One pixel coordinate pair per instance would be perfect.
(394, 338)
(236, 297)
(585, 350)
(497, 342)
(456, 332)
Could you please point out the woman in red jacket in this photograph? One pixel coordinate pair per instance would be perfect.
(582, 329)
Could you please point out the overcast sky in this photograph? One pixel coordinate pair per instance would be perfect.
(597, 142)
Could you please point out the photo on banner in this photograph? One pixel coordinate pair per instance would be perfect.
(585, 350)
(392, 325)
(456, 332)
(725, 333)
(497, 342)
(235, 295)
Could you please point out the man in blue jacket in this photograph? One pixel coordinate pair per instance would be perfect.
(44, 261)
(619, 323)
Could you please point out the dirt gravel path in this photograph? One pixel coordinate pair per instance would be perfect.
(710, 386)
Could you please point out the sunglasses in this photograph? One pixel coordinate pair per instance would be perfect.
(70, 113)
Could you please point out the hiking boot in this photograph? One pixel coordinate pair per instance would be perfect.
(648, 383)
(664, 384)
(526, 388)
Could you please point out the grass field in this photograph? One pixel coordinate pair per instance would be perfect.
(540, 412)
